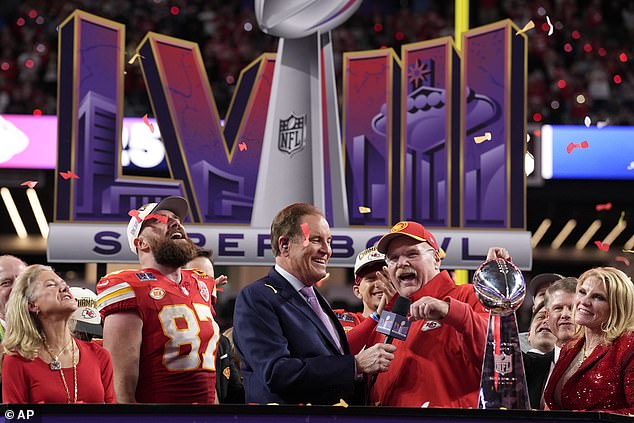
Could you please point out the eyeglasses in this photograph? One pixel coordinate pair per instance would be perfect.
(410, 256)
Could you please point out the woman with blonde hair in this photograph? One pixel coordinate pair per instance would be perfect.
(44, 363)
(595, 370)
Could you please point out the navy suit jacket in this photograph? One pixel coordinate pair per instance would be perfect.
(287, 355)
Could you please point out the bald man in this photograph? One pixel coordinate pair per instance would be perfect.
(10, 268)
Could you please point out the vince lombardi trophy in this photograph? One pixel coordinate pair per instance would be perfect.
(301, 153)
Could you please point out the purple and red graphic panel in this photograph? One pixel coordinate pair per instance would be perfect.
(431, 108)
(493, 87)
(371, 129)
(221, 174)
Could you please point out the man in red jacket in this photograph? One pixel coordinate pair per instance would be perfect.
(440, 362)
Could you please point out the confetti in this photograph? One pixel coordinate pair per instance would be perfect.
(483, 138)
(68, 175)
(630, 166)
(148, 123)
(551, 28)
(30, 184)
(161, 218)
(135, 213)
(242, 146)
(623, 259)
(602, 246)
(341, 403)
(306, 233)
(572, 146)
(425, 404)
(363, 209)
(622, 217)
(603, 123)
(606, 206)
(587, 121)
(530, 25)
(133, 58)
(628, 251)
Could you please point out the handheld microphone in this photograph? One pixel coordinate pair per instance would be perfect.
(394, 324)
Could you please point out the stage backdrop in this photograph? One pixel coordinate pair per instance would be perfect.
(436, 135)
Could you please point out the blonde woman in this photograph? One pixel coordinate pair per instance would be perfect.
(595, 370)
(44, 363)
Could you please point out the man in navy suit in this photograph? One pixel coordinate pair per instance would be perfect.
(292, 347)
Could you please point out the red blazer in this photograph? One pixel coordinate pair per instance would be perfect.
(604, 382)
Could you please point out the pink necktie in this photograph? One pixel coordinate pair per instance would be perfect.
(309, 293)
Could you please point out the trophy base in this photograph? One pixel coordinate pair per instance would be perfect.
(503, 384)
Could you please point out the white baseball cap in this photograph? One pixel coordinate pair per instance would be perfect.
(87, 317)
(175, 204)
(367, 257)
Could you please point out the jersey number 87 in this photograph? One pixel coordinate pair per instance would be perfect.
(172, 359)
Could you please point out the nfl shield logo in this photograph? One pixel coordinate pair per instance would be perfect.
(503, 363)
(292, 134)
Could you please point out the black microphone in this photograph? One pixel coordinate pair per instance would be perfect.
(394, 324)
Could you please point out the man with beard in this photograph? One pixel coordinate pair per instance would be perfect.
(440, 362)
(159, 325)
(292, 348)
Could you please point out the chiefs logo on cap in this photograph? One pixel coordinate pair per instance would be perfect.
(88, 313)
(399, 227)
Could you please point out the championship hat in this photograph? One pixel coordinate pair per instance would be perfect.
(175, 204)
(87, 317)
(367, 258)
(413, 230)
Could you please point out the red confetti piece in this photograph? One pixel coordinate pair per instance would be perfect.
(148, 123)
(572, 146)
(606, 206)
(602, 246)
(306, 233)
(242, 146)
(134, 213)
(30, 184)
(623, 259)
(68, 175)
(161, 218)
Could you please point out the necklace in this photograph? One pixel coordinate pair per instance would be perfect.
(61, 372)
(584, 354)
(55, 364)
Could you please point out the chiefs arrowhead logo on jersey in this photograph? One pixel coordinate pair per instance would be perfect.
(204, 291)
(430, 325)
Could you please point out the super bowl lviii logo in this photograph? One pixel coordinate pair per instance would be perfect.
(433, 134)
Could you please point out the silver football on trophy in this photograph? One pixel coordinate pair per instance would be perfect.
(500, 286)
(300, 18)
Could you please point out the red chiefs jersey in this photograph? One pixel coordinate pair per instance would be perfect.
(180, 336)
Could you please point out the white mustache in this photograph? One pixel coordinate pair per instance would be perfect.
(405, 270)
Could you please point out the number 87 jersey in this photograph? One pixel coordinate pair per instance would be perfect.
(179, 338)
